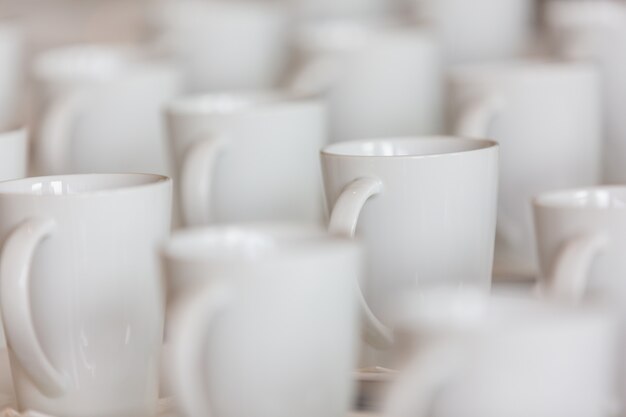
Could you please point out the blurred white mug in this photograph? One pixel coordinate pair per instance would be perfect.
(265, 321)
(506, 356)
(546, 116)
(99, 110)
(225, 45)
(425, 209)
(380, 78)
(13, 154)
(11, 74)
(249, 156)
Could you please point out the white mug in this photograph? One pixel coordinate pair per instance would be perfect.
(100, 110)
(425, 209)
(225, 45)
(265, 323)
(588, 31)
(380, 78)
(11, 74)
(481, 29)
(528, 107)
(13, 154)
(506, 356)
(82, 301)
(247, 157)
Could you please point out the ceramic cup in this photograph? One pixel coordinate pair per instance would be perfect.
(100, 110)
(528, 107)
(506, 356)
(588, 31)
(267, 313)
(425, 209)
(11, 79)
(82, 301)
(479, 30)
(247, 157)
(380, 78)
(225, 45)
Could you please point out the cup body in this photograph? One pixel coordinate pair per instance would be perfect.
(376, 77)
(541, 149)
(11, 81)
(571, 350)
(291, 292)
(96, 299)
(13, 154)
(480, 30)
(588, 31)
(102, 105)
(432, 223)
(266, 167)
(244, 45)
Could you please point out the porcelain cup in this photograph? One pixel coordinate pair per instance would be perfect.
(528, 107)
(508, 355)
(262, 312)
(479, 30)
(247, 157)
(99, 110)
(381, 78)
(223, 45)
(11, 74)
(82, 300)
(425, 209)
(588, 31)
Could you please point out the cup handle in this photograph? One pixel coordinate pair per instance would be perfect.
(343, 222)
(56, 133)
(316, 76)
(192, 323)
(413, 393)
(15, 265)
(477, 115)
(569, 276)
(196, 175)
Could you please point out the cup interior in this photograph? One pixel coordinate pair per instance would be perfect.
(407, 147)
(596, 198)
(65, 185)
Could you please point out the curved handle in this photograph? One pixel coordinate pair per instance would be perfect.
(412, 394)
(569, 276)
(192, 321)
(56, 132)
(477, 115)
(15, 264)
(343, 221)
(196, 179)
(316, 76)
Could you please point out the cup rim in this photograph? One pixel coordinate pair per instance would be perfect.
(235, 101)
(481, 144)
(579, 198)
(519, 67)
(293, 239)
(147, 182)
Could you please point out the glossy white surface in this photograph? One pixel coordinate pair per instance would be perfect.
(225, 45)
(380, 78)
(528, 107)
(588, 31)
(11, 75)
(425, 209)
(247, 157)
(506, 356)
(479, 30)
(266, 314)
(81, 292)
(99, 110)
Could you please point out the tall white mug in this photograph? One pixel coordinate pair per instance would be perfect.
(99, 110)
(380, 78)
(588, 31)
(425, 209)
(506, 356)
(223, 45)
(264, 321)
(247, 157)
(529, 107)
(82, 300)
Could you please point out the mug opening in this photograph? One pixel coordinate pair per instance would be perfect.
(590, 198)
(229, 102)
